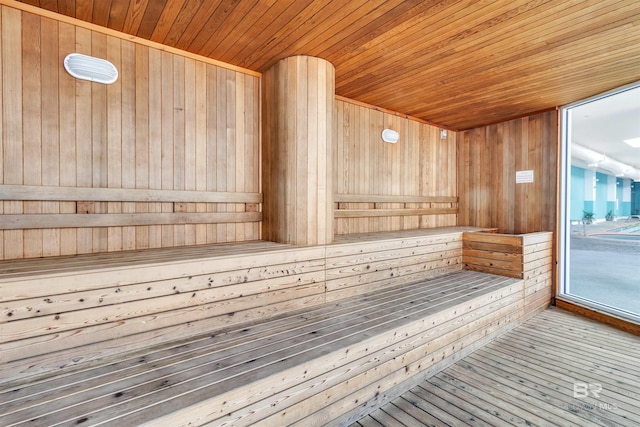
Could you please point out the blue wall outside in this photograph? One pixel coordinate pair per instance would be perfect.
(600, 208)
(624, 208)
(601, 205)
(577, 193)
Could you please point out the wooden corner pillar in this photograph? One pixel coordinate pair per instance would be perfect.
(297, 142)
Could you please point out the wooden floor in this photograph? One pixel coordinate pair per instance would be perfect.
(529, 377)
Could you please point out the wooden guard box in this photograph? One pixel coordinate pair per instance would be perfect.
(523, 256)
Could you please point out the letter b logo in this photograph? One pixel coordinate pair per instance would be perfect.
(581, 390)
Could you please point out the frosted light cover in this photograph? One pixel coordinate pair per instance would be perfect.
(89, 68)
(390, 135)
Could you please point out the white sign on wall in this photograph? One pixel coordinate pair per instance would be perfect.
(523, 177)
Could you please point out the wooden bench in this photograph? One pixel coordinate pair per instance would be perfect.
(374, 327)
(67, 311)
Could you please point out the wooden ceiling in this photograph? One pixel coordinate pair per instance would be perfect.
(460, 64)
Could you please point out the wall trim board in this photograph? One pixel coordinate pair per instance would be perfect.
(599, 316)
(381, 198)
(54, 193)
(367, 213)
(107, 31)
(40, 221)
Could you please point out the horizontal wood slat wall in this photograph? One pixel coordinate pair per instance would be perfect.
(488, 159)
(493, 253)
(60, 193)
(524, 256)
(355, 267)
(380, 200)
(538, 271)
(86, 213)
(39, 221)
(378, 212)
(383, 187)
(170, 123)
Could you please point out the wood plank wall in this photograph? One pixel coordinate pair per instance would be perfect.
(419, 164)
(170, 122)
(356, 267)
(488, 158)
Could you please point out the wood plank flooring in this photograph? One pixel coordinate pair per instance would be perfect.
(557, 369)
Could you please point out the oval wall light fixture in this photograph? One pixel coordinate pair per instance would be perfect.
(390, 136)
(90, 68)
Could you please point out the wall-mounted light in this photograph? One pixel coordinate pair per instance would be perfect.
(391, 136)
(89, 68)
(443, 134)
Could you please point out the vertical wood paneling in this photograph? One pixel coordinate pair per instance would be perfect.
(169, 122)
(230, 138)
(488, 160)
(128, 126)
(201, 115)
(420, 164)
(84, 160)
(99, 141)
(142, 128)
(221, 148)
(297, 103)
(12, 120)
(32, 123)
(50, 128)
(166, 82)
(190, 90)
(211, 149)
(238, 145)
(253, 156)
(114, 142)
(68, 150)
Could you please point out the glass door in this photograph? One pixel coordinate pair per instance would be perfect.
(600, 193)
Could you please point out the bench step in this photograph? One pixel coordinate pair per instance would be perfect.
(277, 371)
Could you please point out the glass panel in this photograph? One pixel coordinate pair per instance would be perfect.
(601, 208)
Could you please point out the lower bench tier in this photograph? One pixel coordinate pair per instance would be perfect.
(325, 365)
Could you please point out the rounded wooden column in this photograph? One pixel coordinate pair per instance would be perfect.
(297, 141)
